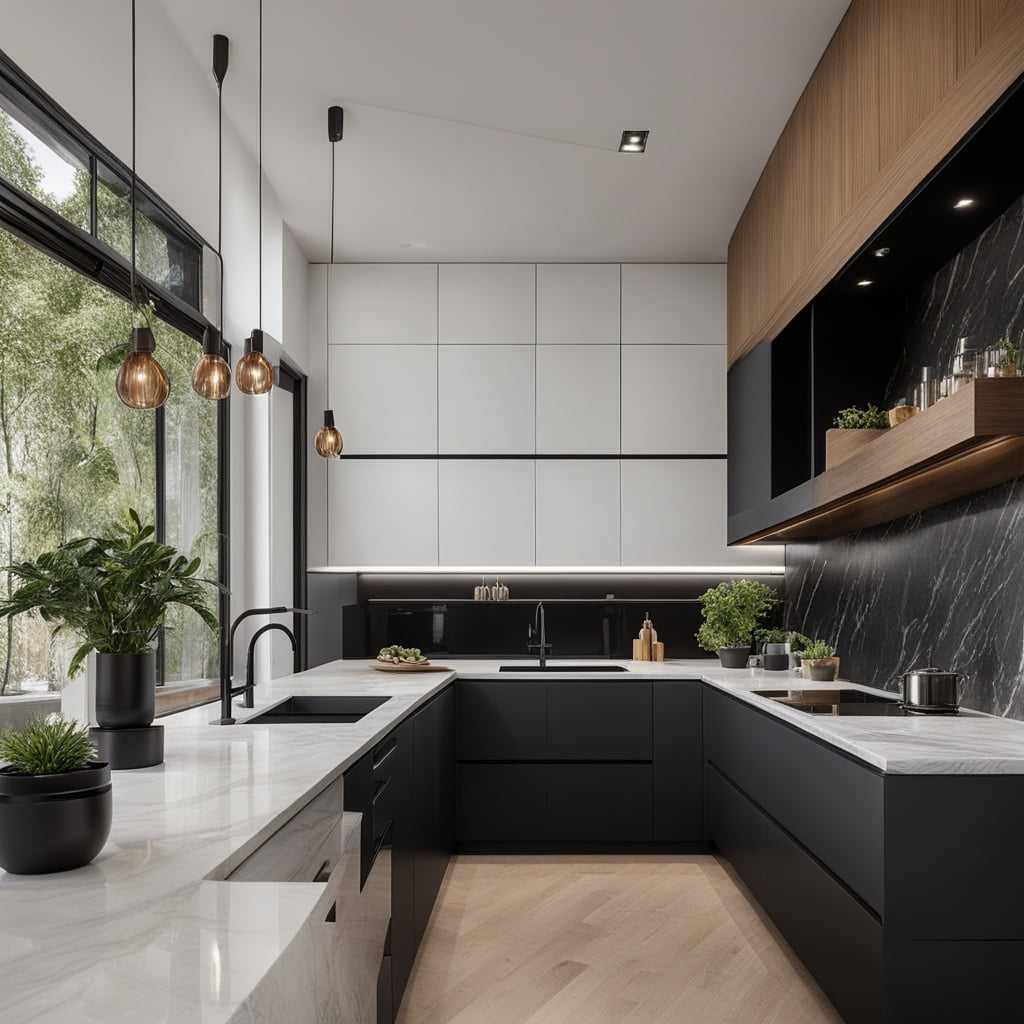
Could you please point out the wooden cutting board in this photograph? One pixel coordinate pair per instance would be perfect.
(383, 666)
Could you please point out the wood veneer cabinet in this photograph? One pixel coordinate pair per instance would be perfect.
(899, 85)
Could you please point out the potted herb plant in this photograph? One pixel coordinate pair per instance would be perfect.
(55, 805)
(851, 430)
(731, 612)
(780, 648)
(112, 593)
(819, 658)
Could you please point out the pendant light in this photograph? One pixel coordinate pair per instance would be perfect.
(141, 381)
(328, 442)
(212, 376)
(254, 375)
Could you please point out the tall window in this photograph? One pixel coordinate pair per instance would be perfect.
(72, 458)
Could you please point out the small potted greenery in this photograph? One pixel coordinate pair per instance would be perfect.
(780, 648)
(112, 593)
(731, 612)
(55, 806)
(851, 430)
(820, 661)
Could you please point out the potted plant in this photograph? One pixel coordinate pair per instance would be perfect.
(1009, 358)
(851, 430)
(112, 593)
(780, 648)
(55, 803)
(731, 612)
(819, 658)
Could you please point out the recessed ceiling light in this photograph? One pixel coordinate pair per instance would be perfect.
(634, 141)
(884, 251)
(962, 204)
(864, 283)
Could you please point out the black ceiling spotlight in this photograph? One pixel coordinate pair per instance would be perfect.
(328, 442)
(211, 377)
(634, 141)
(253, 373)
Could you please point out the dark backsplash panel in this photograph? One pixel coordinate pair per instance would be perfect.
(947, 585)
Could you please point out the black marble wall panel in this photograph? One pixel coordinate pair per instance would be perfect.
(945, 586)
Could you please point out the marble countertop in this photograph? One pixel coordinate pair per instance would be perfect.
(144, 933)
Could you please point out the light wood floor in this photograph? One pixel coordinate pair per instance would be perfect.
(601, 939)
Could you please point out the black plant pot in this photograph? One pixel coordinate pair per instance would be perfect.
(53, 822)
(734, 657)
(125, 690)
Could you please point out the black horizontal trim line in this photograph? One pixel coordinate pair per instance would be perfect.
(564, 761)
(541, 457)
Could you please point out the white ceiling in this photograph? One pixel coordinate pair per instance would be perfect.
(488, 129)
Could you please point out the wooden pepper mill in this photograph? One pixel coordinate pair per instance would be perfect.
(647, 646)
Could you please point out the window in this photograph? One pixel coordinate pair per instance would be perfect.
(72, 458)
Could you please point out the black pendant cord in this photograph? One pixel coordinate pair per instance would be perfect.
(133, 168)
(220, 197)
(260, 160)
(327, 290)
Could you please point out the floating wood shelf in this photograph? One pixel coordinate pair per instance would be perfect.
(966, 443)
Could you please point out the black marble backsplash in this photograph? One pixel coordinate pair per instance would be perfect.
(945, 586)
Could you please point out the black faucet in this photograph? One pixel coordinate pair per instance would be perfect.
(538, 629)
(227, 691)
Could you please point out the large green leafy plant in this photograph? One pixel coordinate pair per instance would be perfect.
(731, 612)
(112, 592)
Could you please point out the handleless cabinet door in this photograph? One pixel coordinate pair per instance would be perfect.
(486, 512)
(501, 719)
(578, 399)
(673, 304)
(385, 397)
(577, 303)
(673, 400)
(382, 512)
(599, 720)
(487, 304)
(383, 303)
(577, 512)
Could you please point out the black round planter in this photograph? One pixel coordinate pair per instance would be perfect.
(734, 657)
(125, 690)
(53, 822)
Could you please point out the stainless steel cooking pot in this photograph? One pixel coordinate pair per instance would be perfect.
(931, 689)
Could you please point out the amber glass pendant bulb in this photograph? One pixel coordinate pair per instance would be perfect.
(328, 442)
(253, 373)
(212, 376)
(141, 381)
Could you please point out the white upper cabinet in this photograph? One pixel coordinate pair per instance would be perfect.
(384, 398)
(486, 303)
(382, 512)
(578, 399)
(577, 303)
(486, 512)
(486, 399)
(577, 512)
(673, 400)
(383, 303)
(674, 514)
(673, 304)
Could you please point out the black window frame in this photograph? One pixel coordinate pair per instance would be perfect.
(83, 251)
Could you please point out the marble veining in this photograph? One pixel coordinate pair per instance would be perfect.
(945, 586)
(147, 932)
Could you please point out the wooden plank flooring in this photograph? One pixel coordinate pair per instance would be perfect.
(602, 939)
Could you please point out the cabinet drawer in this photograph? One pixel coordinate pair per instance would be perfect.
(300, 849)
(501, 802)
(599, 720)
(601, 803)
(831, 804)
(502, 720)
(678, 783)
(835, 936)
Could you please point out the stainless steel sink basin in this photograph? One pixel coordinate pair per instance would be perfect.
(563, 668)
(299, 710)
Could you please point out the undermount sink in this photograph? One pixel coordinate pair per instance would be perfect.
(563, 668)
(299, 710)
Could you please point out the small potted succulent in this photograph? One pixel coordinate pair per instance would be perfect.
(820, 661)
(55, 805)
(851, 430)
(112, 592)
(731, 612)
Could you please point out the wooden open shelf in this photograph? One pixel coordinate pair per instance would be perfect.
(964, 444)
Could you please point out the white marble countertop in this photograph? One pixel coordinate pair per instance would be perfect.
(143, 935)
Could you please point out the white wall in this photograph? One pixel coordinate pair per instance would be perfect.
(580, 363)
(80, 54)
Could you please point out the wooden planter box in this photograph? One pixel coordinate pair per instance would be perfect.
(841, 444)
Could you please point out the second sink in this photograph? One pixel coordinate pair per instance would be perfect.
(563, 668)
(298, 710)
